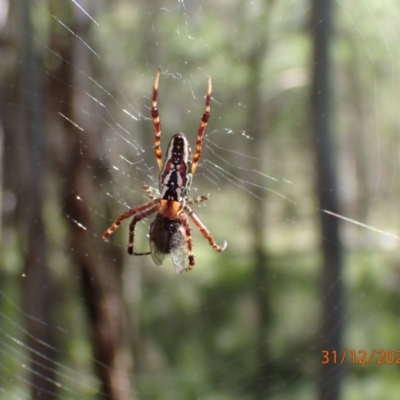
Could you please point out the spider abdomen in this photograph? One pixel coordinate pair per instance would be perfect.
(176, 175)
(170, 232)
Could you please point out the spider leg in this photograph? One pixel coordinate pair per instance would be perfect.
(199, 199)
(138, 217)
(149, 190)
(189, 241)
(156, 122)
(126, 215)
(193, 200)
(204, 231)
(202, 127)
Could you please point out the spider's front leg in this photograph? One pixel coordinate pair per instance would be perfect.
(126, 215)
(189, 241)
(135, 220)
(204, 231)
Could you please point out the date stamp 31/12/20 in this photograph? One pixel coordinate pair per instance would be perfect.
(360, 356)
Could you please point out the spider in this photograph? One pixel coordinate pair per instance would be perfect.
(170, 232)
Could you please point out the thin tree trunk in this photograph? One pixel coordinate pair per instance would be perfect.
(37, 288)
(332, 290)
(82, 176)
(258, 129)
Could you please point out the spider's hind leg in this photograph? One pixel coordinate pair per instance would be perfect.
(199, 199)
(150, 191)
(202, 127)
(156, 122)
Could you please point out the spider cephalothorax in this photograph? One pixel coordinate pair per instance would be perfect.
(170, 232)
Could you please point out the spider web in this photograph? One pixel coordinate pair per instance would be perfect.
(212, 309)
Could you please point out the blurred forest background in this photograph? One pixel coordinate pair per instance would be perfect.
(304, 131)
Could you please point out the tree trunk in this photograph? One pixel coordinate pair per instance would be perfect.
(37, 288)
(82, 175)
(332, 290)
(258, 129)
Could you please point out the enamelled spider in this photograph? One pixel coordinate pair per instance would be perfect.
(170, 232)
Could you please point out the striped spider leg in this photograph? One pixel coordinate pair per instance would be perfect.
(193, 200)
(170, 232)
(157, 125)
(138, 213)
